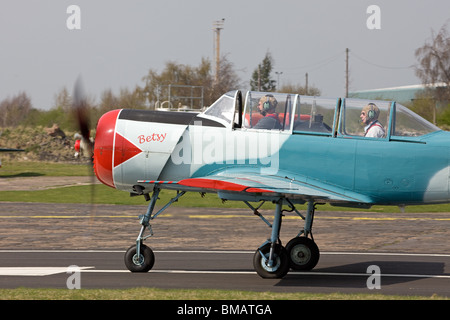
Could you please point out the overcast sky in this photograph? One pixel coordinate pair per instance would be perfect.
(119, 41)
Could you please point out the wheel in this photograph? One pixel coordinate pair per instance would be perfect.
(143, 263)
(281, 262)
(303, 253)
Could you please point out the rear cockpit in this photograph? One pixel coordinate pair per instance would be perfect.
(397, 121)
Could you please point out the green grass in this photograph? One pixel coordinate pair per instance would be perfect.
(101, 194)
(36, 169)
(184, 294)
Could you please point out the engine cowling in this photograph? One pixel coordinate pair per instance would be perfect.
(132, 145)
(104, 147)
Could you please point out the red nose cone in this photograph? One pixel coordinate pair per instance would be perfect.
(104, 147)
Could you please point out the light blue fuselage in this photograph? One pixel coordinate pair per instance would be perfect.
(393, 172)
(389, 172)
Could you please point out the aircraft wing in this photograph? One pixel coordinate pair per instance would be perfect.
(239, 185)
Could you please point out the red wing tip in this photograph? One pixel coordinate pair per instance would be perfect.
(257, 190)
(208, 184)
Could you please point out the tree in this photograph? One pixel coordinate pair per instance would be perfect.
(261, 79)
(228, 79)
(14, 110)
(108, 101)
(63, 100)
(299, 89)
(157, 84)
(433, 65)
(132, 99)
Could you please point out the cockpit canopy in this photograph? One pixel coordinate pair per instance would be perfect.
(314, 115)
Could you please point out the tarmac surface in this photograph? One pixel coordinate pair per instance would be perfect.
(42, 229)
(81, 226)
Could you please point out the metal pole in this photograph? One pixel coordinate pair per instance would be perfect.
(346, 72)
(218, 25)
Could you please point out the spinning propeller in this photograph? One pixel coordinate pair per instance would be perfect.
(81, 113)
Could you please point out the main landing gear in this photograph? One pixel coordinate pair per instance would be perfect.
(271, 259)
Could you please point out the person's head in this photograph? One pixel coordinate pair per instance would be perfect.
(369, 113)
(267, 104)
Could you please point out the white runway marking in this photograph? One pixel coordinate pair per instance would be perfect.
(318, 273)
(34, 271)
(233, 251)
(46, 271)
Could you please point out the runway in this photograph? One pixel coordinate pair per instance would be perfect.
(38, 242)
(400, 274)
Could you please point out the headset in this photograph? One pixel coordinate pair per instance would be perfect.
(266, 104)
(371, 112)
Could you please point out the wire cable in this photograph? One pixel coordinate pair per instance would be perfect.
(378, 65)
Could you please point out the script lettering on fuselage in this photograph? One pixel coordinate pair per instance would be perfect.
(154, 137)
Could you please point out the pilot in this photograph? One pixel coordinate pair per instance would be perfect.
(266, 107)
(369, 118)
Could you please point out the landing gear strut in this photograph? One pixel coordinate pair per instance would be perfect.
(303, 251)
(272, 260)
(140, 258)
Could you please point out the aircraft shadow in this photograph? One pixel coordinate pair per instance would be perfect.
(388, 268)
(21, 175)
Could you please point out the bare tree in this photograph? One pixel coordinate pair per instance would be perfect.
(433, 66)
(228, 79)
(299, 89)
(179, 74)
(108, 101)
(14, 110)
(63, 100)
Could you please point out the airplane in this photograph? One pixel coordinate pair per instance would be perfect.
(317, 154)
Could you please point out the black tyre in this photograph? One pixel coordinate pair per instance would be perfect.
(303, 253)
(143, 263)
(281, 262)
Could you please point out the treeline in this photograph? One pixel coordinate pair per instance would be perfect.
(18, 110)
(185, 81)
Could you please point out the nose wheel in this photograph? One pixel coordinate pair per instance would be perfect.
(141, 262)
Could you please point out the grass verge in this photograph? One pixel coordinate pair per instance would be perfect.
(101, 194)
(183, 294)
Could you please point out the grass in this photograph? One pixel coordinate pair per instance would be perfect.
(184, 294)
(101, 194)
(36, 169)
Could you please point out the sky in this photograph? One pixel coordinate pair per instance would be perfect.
(116, 42)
